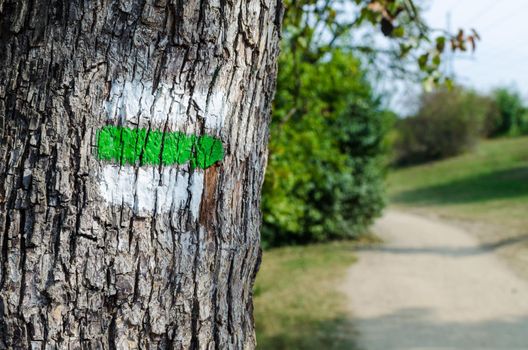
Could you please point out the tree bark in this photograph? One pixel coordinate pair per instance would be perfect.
(103, 250)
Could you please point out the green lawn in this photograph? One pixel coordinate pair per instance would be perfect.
(489, 184)
(297, 300)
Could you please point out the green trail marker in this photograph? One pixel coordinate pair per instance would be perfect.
(137, 146)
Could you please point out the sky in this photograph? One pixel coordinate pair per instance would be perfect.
(501, 58)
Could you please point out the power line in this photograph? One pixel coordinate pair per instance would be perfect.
(456, 4)
(497, 52)
(486, 9)
(511, 66)
(450, 65)
(517, 11)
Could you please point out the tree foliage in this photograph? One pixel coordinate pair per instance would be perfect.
(448, 122)
(509, 115)
(325, 178)
(316, 27)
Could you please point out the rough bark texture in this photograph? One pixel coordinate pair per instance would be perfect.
(91, 262)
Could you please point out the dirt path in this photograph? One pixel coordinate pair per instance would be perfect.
(433, 286)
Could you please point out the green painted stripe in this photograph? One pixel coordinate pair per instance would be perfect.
(142, 147)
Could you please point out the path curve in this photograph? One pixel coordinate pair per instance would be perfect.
(433, 286)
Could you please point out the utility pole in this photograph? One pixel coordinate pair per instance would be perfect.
(449, 56)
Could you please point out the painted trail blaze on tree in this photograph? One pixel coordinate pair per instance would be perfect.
(136, 146)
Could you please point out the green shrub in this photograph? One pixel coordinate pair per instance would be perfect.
(448, 122)
(325, 172)
(509, 116)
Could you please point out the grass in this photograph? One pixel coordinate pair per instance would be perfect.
(489, 184)
(297, 302)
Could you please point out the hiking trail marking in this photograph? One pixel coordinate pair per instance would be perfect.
(148, 169)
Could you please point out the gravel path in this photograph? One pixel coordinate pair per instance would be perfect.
(433, 286)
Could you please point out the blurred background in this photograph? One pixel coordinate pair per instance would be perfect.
(386, 105)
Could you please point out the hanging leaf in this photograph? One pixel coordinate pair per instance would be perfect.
(422, 61)
(386, 27)
(398, 32)
(440, 43)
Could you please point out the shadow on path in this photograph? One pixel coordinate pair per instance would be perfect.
(334, 334)
(418, 329)
(449, 251)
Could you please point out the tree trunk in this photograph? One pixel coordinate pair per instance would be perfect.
(133, 149)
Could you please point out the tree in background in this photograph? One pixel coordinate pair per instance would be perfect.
(448, 122)
(508, 115)
(325, 174)
(451, 121)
